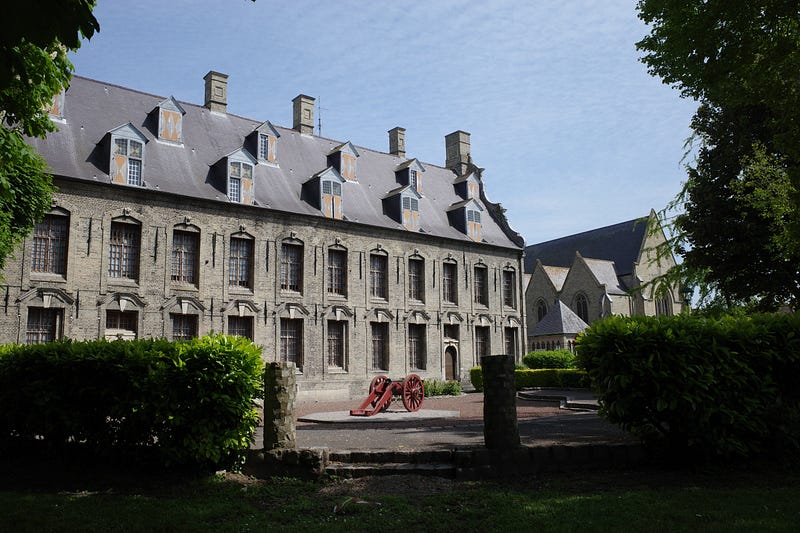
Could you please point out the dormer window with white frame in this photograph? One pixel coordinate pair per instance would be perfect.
(474, 224)
(412, 179)
(466, 217)
(238, 171)
(264, 143)
(468, 186)
(325, 192)
(402, 204)
(170, 121)
(410, 173)
(127, 155)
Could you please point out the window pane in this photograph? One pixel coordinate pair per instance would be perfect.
(336, 343)
(378, 271)
(449, 283)
(481, 341)
(240, 263)
(509, 288)
(292, 267)
(380, 345)
(123, 253)
(292, 341)
(247, 171)
(263, 146)
(241, 326)
(43, 325)
(326, 187)
(135, 149)
(134, 172)
(234, 189)
(416, 279)
(120, 147)
(235, 170)
(337, 272)
(185, 254)
(184, 327)
(417, 351)
(50, 245)
(481, 286)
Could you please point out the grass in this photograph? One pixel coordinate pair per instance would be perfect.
(767, 499)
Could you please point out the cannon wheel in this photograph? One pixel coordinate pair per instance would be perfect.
(413, 393)
(378, 382)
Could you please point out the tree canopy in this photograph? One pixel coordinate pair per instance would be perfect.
(739, 232)
(36, 36)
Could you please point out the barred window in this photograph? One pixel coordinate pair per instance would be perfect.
(292, 267)
(416, 279)
(509, 289)
(450, 283)
(417, 351)
(50, 239)
(122, 320)
(380, 345)
(337, 343)
(240, 263)
(241, 326)
(123, 252)
(378, 273)
(481, 285)
(337, 272)
(44, 325)
(185, 256)
(184, 327)
(482, 341)
(292, 341)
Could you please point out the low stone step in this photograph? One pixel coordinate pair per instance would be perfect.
(392, 456)
(351, 470)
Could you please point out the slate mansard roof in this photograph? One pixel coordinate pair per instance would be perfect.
(619, 243)
(92, 109)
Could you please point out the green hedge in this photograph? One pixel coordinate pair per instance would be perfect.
(700, 386)
(549, 359)
(176, 403)
(434, 387)
(566, 378)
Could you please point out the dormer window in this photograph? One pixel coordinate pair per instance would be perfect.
(474, 224)
(410, 173)
(235, 176)
(237, 173)
(466, 217)
(468, 186)
(324, 191)
(170, 120)
(264, 142)
(402, 204)
(411, 213)
(343, 159)
(127, 155)
(56, 109)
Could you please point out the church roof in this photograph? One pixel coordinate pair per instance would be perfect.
(620, 243)
(77, 151)
(606, 274)
(557, 275)
(559, 319)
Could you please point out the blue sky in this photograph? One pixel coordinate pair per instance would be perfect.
(572, 131)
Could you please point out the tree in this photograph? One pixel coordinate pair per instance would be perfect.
(739, 232)
(34, 68)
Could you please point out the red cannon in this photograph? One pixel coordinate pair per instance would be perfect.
(382, 391)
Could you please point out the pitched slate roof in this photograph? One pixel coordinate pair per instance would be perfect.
(93, 108)
(557, 275)
(559, 320)
(620, 243)
(606, 274)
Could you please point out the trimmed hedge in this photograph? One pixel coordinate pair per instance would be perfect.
(567, 378)
(434, 387)
(188, 403)
(699, 386)
(549, 359)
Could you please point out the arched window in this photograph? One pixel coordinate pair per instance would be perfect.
(663, 301)
(582, 307)
(541, 310)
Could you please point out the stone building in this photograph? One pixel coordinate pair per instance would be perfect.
(175, 220)
(598, 273)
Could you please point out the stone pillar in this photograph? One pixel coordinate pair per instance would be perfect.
(280, 390)
(500, 429)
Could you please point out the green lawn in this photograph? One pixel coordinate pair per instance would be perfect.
(761, 500)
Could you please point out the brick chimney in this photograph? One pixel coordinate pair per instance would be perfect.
(397, 141)
(303, 114)
(457, 149)
(216, 91)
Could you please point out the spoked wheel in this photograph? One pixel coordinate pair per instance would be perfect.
(380, 383)
(413, 393)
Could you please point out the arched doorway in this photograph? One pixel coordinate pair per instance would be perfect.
(450, 363)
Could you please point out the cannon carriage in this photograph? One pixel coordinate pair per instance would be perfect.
(383, 390)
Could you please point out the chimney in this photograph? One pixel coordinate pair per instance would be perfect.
(303, 114)
(397, 141)
(216, 91)
(457, 149)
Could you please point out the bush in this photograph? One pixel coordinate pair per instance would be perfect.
(699, 386)
(549, 359)
(434, 387)
(177, 403)
(565, 378)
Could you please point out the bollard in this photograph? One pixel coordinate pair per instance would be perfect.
(500, 429)
(280, 389)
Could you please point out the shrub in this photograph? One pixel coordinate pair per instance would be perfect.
(706, 386)
(565, 378)
(180, 403)
(435, 387)
(549, 359)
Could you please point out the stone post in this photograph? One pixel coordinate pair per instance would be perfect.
(500, 429)
(280, 389)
